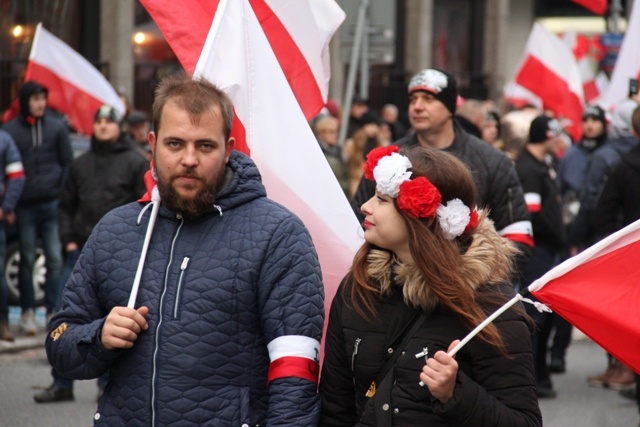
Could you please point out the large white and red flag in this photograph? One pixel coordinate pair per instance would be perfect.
(271, 57)
(628, 63)
(599, 7)
(76, 88)
(549, 70)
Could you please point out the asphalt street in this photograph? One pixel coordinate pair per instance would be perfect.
(24, 370)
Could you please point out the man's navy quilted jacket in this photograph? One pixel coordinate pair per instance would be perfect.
(218, 289)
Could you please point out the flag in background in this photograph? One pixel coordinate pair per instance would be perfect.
(627, 65)
(76, 88)
(580, 46)
(271, 58)
(597, 291)
(599, 7)
(549, 70)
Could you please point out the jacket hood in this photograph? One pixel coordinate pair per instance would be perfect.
(245, 183)
(487, 261)
(25, 92)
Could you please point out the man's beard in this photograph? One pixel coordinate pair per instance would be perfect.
(196, 206)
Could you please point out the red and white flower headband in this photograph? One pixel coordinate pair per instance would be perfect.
(418, 197)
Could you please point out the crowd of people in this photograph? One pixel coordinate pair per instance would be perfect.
(461, 207)
(565, 188)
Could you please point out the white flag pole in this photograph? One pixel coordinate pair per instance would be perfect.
(143, 255)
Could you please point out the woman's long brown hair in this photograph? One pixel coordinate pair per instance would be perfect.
(439, 260)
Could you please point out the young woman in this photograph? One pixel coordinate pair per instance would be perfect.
(432, 268)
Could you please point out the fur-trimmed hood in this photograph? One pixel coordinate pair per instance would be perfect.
(488, 260)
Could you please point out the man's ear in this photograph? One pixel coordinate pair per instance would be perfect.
(231, 145)
(152, 141)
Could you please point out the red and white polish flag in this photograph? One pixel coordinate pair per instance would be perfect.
(549, 70)
(597, 291)
(76, 88)
(271, 58)
(627, 65)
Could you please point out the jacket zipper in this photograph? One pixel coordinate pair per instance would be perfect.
(160, 314)
(353, 358)
(183, 267)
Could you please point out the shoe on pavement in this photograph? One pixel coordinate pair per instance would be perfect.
(545, 392)
(557, 366)
(28, 322)
(602, 380)
(54, 394)
(628, 393)
(5, 333)
(623, 379)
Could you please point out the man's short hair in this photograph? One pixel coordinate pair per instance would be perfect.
(194, 95)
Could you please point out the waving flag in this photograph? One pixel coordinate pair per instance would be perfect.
(549, 70)
(598, 292)
(628, 62)
(76, 88)
(599, 7)
(271, 57)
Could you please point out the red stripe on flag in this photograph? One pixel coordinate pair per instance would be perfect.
(598, 7)
(79, 106)
(293, 366)
(601, 297)
(554, 92)
(185, 27)
(293, 63)
(591, 91)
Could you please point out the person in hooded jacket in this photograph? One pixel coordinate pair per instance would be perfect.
(43, 142)
(225, 326)
(431, 269)
(109, 175)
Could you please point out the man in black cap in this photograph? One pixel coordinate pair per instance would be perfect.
(43, 142)
(433, 97)
(538, 177)
(572, 170)
(138, 127)
(109, 175)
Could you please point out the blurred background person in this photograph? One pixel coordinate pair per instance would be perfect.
(326, 129)
(359, 145)
(138, 128)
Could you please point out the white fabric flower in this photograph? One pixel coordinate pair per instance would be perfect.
(453, 218)
(390, 172)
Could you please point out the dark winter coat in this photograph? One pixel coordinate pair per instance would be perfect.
(12, 180)
(539, 180)
(105, 177)
(44, 148)
(219, 289)
(619, 204)
(491, 389)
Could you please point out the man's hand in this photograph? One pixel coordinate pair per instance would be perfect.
(439, 374)
(71, 246)
(122, 326)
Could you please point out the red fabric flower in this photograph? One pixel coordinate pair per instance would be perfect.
(473, 222)
(419, 198)
(374, 156)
